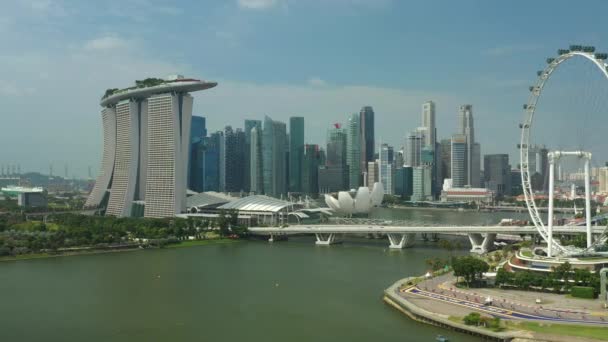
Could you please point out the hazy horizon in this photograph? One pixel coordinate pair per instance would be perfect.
(318, 59)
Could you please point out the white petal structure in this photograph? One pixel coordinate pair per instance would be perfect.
(377, 194)
(347, 203)
(362, 202)
(332, 202)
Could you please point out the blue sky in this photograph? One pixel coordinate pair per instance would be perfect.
(321, 59)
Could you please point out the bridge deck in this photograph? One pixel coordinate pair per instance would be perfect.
(390, 229)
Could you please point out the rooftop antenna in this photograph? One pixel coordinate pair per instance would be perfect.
(50, 170)
(65, 169)
(90, 173)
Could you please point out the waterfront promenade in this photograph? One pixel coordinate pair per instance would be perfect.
(436, 301)
(553, 308)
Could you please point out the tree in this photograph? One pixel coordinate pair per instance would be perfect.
(470, 268)
(563, 272)
(447, 245)
(436, 263)
(503, 277)
(223, 223)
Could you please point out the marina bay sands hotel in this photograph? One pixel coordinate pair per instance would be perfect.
(146, 137)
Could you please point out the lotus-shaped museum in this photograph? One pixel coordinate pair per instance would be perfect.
(359, 202)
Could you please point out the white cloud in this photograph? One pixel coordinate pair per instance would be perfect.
(46, 7)
(105, 43)
(11, 89)
(316, 82)
(39, 5)
(508, 50)
(257, 4)
(64, 107)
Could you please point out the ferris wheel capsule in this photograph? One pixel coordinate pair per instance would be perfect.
(589, 49)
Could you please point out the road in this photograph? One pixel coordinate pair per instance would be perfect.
(438, 289)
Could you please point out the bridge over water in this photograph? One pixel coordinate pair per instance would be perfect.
(401, 234)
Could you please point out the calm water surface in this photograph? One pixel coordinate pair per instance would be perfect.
(254, 291)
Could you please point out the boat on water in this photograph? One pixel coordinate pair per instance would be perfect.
(441, 338)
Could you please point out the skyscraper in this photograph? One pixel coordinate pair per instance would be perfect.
(334, 176)
(404, 181)
(476, 181)
(197, 164)
(539, 166)
(422, 183)
(296, 153)
(368, 143)
(428, 122)
(413, 146)
(497, 173)
(353, 151)
(459, 160)
(445, 160)
(372, 173)
(274, 140)
(310, 171)
(255, 161)
(249, 125)
(235, 159)
(146, 147)
(465, 122)
(386, 169)
(198, 131)
(213, 145)
(399, 161)
(473, 150)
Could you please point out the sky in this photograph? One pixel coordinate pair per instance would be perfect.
(320, 59)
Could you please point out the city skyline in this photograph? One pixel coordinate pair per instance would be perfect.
(323, 90)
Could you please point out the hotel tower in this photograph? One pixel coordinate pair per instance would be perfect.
(146, 135)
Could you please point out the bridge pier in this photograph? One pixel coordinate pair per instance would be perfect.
(325, 239)
(277, 237)
(481, 243)
(603, 284)
(400, 241)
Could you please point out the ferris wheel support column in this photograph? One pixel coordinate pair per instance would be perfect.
(550, 214)
(588, 201)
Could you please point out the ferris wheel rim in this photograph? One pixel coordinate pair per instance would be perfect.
(526, 127)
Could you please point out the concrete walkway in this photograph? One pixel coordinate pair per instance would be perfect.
(561, 310)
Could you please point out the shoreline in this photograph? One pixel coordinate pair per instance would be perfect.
(183, 244)
(516, 330)
(423, 316)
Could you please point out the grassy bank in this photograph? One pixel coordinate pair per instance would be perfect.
(48, 255)
(182, 244)
(192, 243)
(571, 330)
(598, 333)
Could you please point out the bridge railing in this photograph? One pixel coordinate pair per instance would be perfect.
(383, 222)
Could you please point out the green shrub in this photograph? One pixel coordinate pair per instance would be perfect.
(472, 319)
(582, 292)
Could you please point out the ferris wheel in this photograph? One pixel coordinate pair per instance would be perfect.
(545, 231)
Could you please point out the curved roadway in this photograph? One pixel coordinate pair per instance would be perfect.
(505, 308)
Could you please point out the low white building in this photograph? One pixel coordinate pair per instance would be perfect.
(359, 202)
(477, 195)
